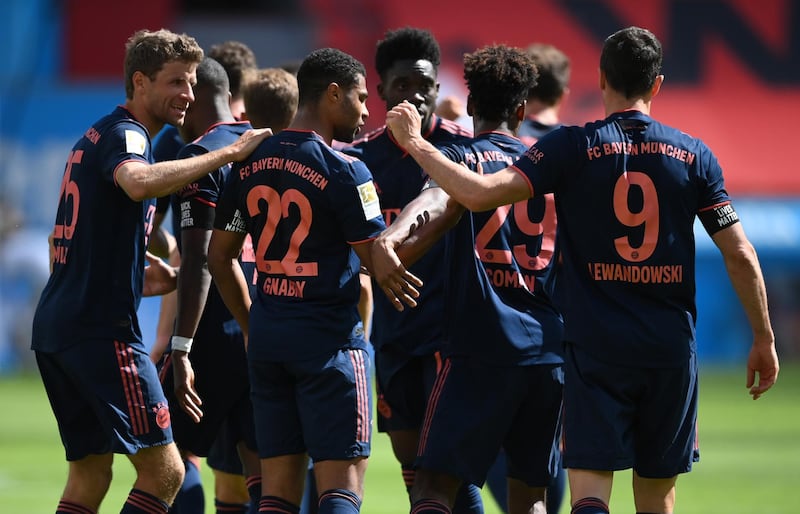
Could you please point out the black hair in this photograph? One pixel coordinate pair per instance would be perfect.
(498, 78)
(403, 44)
(631, 60)
(212, 75)
(323, 67)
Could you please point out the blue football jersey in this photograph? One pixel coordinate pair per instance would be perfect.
(100, 237)
(398, 180)
(531, 131)
(502, 265)
(303, 204)
(193, 207)
(627, 191)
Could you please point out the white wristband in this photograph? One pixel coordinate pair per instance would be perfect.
(182, 344)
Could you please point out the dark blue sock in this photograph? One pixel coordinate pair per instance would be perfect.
(222, 507)
(190, 498)
(277, 505)
(140, 502)
(589, 506)
(409, 474)
(429, 507)
(339, 501)
(468, 500)
(68, 507)
(254, 490)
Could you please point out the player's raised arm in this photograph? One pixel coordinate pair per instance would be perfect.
(473, 191)
(745, 275)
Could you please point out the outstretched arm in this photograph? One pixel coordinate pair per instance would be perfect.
(744, 272)
(418, 226)
(141, 181)
(473, 191)
(403, 291)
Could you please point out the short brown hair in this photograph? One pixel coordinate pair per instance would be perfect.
(554, 69)
(237, 58)
(148, 51)
(270, 98)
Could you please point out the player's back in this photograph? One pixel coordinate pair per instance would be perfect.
(189, 211)
(100, 237)
(501, 264)
(304, 204)
(628, 190)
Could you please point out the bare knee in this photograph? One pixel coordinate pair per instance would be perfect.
(159, 471)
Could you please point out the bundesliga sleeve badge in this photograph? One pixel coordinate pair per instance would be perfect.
(369, 200)
(135, 142)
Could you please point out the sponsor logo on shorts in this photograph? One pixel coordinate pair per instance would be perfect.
(162, 415)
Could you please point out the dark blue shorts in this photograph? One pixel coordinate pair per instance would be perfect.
(221, 381)
(403, 384)
(106, 398)
(321, 406)
(475, 410)
(224, 452)
(618, 417)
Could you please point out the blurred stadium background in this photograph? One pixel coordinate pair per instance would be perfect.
(732, 78)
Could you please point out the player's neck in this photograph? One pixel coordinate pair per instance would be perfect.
(140, 114)
(481, 126)
(638, 104)
(546, 116)
(310, 121)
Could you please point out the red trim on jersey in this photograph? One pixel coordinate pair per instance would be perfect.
(711, 207)
(530, 186)
(205, 202)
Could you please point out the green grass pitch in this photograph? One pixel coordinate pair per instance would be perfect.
(750, 454)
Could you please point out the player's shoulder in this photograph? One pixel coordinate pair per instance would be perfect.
(369, 136)
(445, 129)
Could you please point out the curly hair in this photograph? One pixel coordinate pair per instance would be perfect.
(147, 52)
(403, 44)
(498, 78)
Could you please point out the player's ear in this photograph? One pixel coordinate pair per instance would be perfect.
(657, 85)
(334, 92)
(381, 94)
(521, 110)
(470, 106)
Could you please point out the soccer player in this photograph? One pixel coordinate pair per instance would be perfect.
(547, 96)
(205, 376)
(103, 388)
(312, 214)
(270, 98)
(627, 190)
(407, 343)
(501, 382)
(239, 60)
